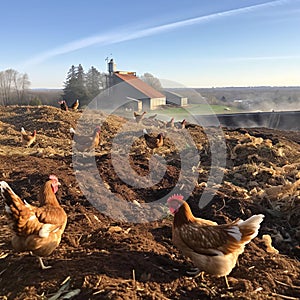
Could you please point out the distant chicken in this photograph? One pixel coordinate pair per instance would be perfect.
(63, 105)
(153, 142)
(180, 125)
(75, 105)
(213, 248)
(139, 117)
(86, 142)
(27, 138)
(170, 124)
(36, 229)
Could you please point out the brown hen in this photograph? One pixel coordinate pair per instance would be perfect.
(138, 117)
(213, 248)
(28, 138)
(86, 142)
(153, 142)
(75, 105)
(36, 229)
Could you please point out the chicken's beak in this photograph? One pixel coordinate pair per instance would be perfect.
(58, 183)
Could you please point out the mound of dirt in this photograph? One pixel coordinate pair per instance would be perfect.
(102, 255)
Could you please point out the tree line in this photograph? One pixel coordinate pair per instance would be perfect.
(13, 87)
(81, 85)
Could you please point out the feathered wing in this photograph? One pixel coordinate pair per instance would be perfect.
(222, 239)
(28, 219)
(51, 219)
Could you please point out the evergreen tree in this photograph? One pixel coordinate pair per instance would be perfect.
(80, 89)
(70, 85)
(75, 86)
(93, 83)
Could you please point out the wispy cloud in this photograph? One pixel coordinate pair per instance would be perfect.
(119, 36)
(264, 58)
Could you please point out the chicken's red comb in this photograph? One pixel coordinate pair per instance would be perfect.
(53, 177)
(175, 197)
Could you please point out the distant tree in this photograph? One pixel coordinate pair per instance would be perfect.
(35, 101)
(6, 80)
(21, 84)
(81, 91)
(13, 87)
(223, 99)
(95, 82)
(152, 81)
(70, 85)
(75, 86)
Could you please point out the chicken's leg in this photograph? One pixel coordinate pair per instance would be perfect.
(226, 281)
(42, 264)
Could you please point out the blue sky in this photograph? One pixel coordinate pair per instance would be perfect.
(195, 43)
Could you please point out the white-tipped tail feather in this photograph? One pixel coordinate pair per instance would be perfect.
(9, 196)
(253, 223)
(4, 186)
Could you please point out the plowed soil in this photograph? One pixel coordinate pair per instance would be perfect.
(105, 253)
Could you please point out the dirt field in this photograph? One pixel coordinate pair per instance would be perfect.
(101, 257)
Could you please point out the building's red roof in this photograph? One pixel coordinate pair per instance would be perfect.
(140, 85)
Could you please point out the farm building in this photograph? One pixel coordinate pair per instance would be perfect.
(126, 89)
(175, 99)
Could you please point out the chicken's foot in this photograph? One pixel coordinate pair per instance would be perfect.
(194, 272)
(42, 264)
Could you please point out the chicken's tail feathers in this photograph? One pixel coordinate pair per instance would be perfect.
(72, 130)
(249, 228)
(10, 197)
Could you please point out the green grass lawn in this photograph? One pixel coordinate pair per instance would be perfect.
(180, 113)
(196, 109)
